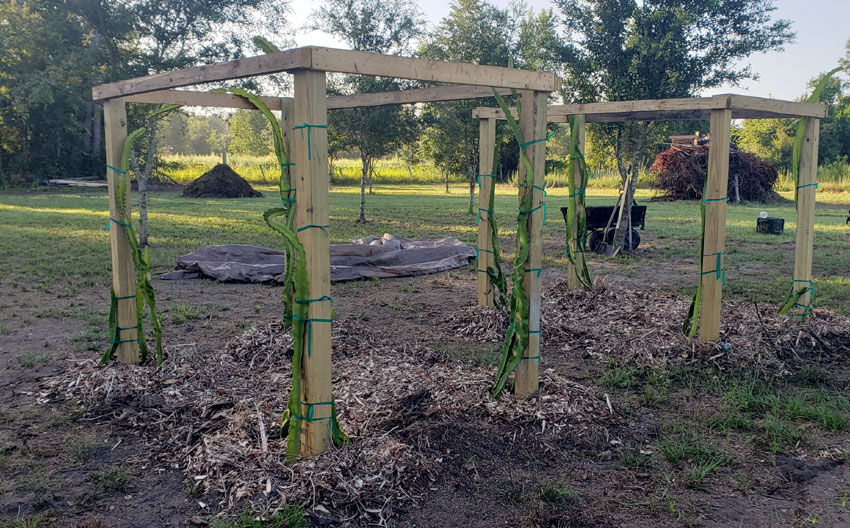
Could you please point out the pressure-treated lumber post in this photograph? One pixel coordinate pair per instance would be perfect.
(486, 179)
(123, 268)
(310, 180)
(287, 121)
(573, 282)
(806, 211)
(533, 128)
(716, 192)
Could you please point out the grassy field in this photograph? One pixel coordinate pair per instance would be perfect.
(56, 239)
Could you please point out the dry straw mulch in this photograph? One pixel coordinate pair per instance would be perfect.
(211, 415)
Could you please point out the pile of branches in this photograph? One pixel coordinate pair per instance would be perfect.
(680, 171)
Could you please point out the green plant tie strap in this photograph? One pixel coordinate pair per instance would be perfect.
(123, 298)
(310, 412)
(707, 200)
(118, 341)
(119, 171)
(530, 211)
(288, 193)
(535, 270)
(815, 185)
(718, 270)
(808, 308)
(532, 357)
(534, 187)
(320, 299)
(480, 210)
(114, 221)
(478, 250)
(485, 176)
(313, 226)
(287, 164)
(578, 192)
(533, 141)
(309, 322)
(577, 156)
(309, 128)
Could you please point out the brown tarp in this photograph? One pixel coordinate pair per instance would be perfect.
(386, 256)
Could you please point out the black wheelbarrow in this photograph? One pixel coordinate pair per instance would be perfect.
(597, 219)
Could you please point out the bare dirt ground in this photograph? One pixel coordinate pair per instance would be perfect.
(69, 465)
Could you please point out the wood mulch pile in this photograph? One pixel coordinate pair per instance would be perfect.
(644, 328)
(210, 415)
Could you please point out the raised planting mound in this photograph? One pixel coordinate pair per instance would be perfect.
(220, 182)
(680, 172)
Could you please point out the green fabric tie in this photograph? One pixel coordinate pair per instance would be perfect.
(309, 128)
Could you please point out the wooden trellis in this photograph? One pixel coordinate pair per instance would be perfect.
(307, 110)
(720, 110)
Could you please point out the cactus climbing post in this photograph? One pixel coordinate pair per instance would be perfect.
(577, 245)
(310, 179)
(486, 144)
(533, 127)
(807, 187)
(716, 193)
(123, 268)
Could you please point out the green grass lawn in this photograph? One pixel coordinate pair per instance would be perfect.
(57, 238)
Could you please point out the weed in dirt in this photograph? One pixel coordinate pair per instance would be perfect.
(83, 448)
(5, 330)
(812, 376)
(290, 516)
(88, 340)
(634, 460)
(780, 434)
(680, 444)
(513, 492)
(184, 312)
(41, 520)
(621, 377)
(558, 495)
(32, 360)
(113, 479)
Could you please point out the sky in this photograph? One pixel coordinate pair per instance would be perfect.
(821, 26)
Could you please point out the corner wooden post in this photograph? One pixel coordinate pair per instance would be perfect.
(310, 154)
(806, 210)
(123, 268)
(533, 128)
(573, 282)
(486, 146)
(287, 121)
(716, 192)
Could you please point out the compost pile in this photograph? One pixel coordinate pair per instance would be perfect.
(220, 182)
(645, 329)
(217, 418)
(680, 172)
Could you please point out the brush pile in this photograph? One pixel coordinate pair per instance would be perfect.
(680, 172)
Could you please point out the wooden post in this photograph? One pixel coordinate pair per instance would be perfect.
(806, 210)
(486, 146)
(287, 121)
(716, 193)
(533, 127)
(123, 268)
(573, 282)
(310, 155)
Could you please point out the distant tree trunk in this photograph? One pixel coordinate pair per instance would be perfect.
(143, 177)
(737, 190)
(471, 169)
(97, 131)
(224, 157)
(364, 174)
(410, 172)
(628, 190)
(371, 176)
(330, 172)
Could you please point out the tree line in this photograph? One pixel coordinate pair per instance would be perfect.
(53, 51)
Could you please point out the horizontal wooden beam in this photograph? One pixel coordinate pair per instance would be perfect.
(221, 71)
(226, 100)
(697, 109)
(334, 60)
(365, 63)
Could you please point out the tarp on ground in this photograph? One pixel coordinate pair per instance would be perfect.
(385, 256)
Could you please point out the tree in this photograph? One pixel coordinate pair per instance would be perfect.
(474, 32)
(380, 26)
(250, 133)
(655, 49)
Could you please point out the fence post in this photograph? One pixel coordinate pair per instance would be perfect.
(716, 194)
(533, 128)
(486, 146)
(807, 188)
(123, 268)
(573, 282)
(309, 178)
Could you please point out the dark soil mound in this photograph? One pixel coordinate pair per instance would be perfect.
(681, 173)
(220, 182)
